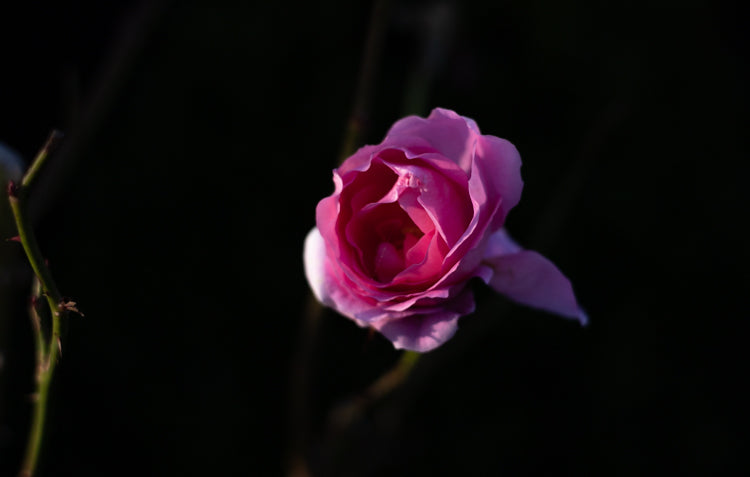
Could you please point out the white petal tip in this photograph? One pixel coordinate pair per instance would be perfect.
(314, 259)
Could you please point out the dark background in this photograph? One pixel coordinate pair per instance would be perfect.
(200, 136)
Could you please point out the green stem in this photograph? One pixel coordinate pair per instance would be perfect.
(34, 255)
(41, 158)
(47, 350)
(392, 378)
(45, 370)
(343, 416)
(36, 322)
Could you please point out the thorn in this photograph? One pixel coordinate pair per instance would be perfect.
(59, 347)
(17, 238)
(69, 305)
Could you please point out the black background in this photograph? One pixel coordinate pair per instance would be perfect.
(200, 136)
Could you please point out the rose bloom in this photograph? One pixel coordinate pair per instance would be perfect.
(413, 219)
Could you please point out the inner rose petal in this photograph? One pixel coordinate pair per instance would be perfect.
(423, 263)
(401, 218)
(370, 186)
(389, 261)
(381, 233)
(434, 200)
(409, 201)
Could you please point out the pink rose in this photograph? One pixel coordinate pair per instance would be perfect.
(413, 219)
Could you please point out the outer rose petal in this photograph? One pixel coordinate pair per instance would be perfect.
(426, 332)
(449, 133)
(314, 257)
(500, 165)
(527, 277)
(323, 282)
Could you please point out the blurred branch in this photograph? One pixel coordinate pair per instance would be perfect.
(436, 25)
(371, 55)
(88, 117)
(301, 373)
(349, 412)
(569, 187)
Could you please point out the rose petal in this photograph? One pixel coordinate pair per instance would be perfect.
(409, 201)
(445, 205)
(499, 164)
(424, 332)
(529, 278)
(468, 252)
(314, 257)
(428, 268)
(388, 262)
(501, 243)
(329, 284)
(373, 225)
(416, 253)
(371, 186)
(449, 133)
(360, 160)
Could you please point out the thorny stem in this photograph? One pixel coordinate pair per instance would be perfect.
(33, 172)
(48, 350)
(36, 321)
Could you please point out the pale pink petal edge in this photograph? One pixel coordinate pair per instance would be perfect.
(529, 278)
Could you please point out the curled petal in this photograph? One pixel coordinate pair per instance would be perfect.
(449, 133)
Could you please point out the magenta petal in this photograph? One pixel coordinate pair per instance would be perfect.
(425, 332)
(388, 262)
(409, 202)
(328, 287)
(449, 133)
(500, 243)
(499, 163)
(529, 278)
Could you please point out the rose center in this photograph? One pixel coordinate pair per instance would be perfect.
(397, 232)
(395, 237)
